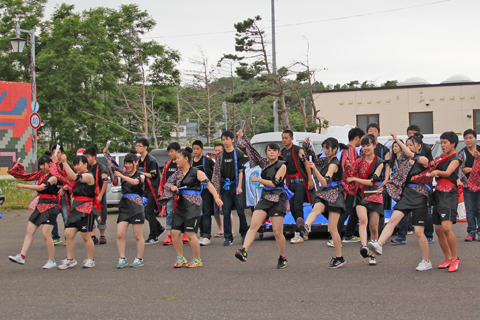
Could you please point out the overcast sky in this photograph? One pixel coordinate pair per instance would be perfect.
(377, 40)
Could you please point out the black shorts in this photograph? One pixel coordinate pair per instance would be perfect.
(83, 225)
(136, 219)
(273, 209)
(51, 219)
(419, 215)
(444, 214)
(190, 225)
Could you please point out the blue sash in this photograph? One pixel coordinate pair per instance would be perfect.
(134, 195)
(190, 192)
(288, 194)
(333, 184)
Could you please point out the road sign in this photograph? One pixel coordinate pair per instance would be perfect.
(35, 106)
(35, 120)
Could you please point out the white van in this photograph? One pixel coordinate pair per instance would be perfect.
(260, 141)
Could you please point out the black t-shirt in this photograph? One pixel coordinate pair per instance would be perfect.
(172, 167)
(228, 168)
(469, 159)
(101, 170)
(209, 164)
(381, 151)
(148, 165)
(289, 158)
(444, 166)
(426, 152)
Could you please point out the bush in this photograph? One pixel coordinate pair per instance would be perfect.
(15, 198)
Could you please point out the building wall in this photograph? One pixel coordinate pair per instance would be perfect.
(450, 104)
(15, 130)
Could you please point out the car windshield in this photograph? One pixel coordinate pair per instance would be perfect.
(261, 146)
(437, 148)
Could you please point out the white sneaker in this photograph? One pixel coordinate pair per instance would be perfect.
(330, 243)
(67, 264)
(424, 266)
(88, 263)
(17, 259)
(375, 247)
(50, 264)
(204, 241)
(372, 261)
(297, 238)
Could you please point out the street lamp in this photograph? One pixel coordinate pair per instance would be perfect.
(18, 44)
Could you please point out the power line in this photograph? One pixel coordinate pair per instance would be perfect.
(310, 22)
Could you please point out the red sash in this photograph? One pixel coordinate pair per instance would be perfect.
(298, 174)
(150, 185)
(96, 204)
(368, 172)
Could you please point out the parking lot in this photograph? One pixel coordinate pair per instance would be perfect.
(228, 289)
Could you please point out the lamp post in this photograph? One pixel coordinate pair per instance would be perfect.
(18, 44)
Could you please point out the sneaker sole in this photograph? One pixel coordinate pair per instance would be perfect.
(147, 243)
(240, 257)
(372, 248)
(364, 252)
(198, 266)
(350, 241)
(423, 269)
(13, 260)
(372, 264)
(126, 264)
(281, 267)
(140, 265)
(70, 266)
(204, 244)
(337, 266)
(85, 267)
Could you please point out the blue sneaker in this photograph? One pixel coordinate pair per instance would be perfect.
(399, 240)
(430, 240)
(228, 243)
(137, 263)
(122, 262)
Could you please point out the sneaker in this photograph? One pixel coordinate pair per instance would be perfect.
(282, 262)
(88, 263)
(137, 263)
(330, 243)
(50, 264)
(375, 247)
(454, 265)
(410, 232)
(151, 241)
(241, 255)
(180, 262)
(364, 252)
(445, 264)
(424, 266)
(351, 239)
(185, 238)
(399, 240)
(57, 241)
(204, 241)
(302, 226)
(372, 260)
(103, 240)
(336, 263)
(430, 240)
(122, 263)
(17, 259)
(305, 237)
(95, 240)
(296, 239)
(67, 264)
(195, 263)
(168, 241)
(228, 243)
(470, 237)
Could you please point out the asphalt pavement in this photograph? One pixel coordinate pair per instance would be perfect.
(225, 288)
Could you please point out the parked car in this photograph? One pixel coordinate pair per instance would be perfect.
(2, 197)
(260, 141)
(161, 155)
(114, 189)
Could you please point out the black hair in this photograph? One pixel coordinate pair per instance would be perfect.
(413, 127)
(48, 153)
(188, 149)
(90, 151)
(219, 145)
(393, 156)
(450, 136)
(470, 131)
(228, 134)
(79, 158)
(44, 159)
(143, 141)
(373, 125)
(197, 143)
(55, 147)
(368, 139)
(355, 132)
(333, 143)
(174, 145)
(186, 154)
(272, 146)
(131, 157)
(417, 138)
(289, 132)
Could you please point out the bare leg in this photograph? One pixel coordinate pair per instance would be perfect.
(422, 241)
(47, 236)
(218, 220)
(452, 241)
(442, 240)
(138, 233)
(333, 218)
(89, 246)
(374, 218)
(258, 217)
(177, 242)
(70, 241)
(194, 244)
(277, 226)
(27, 241)
(121, 233)
(363, 220)
(318, 208)
(387, 232)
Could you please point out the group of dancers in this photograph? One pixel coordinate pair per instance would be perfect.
(342, 182)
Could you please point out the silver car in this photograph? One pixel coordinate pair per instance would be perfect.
(114, 189)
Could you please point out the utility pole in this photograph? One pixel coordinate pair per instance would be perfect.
(274, 60)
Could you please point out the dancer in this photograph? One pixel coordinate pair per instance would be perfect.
(369, 206)
(131, 207)
(410, 197)
(329, 199)
(82, 215)
(45, 206)
(273, 203)
(187, 184)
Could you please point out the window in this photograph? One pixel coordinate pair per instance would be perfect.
(476, 120)
(424, 120)
(365, 119)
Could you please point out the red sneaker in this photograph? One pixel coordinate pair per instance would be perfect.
(454, 265)
(185, 238)
(445, 264)
(168, 241)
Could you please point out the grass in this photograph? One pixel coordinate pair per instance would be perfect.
(15, 199)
